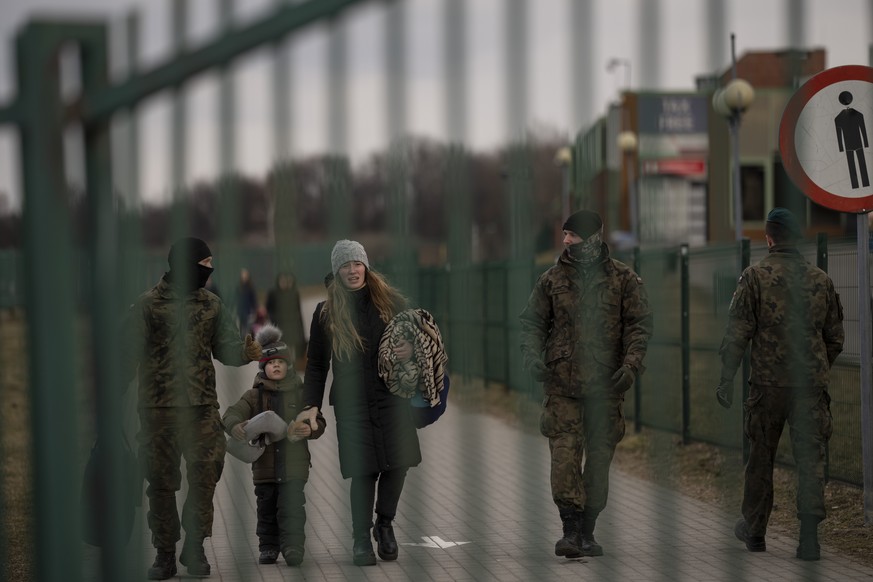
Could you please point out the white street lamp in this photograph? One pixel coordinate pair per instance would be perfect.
(731, 102)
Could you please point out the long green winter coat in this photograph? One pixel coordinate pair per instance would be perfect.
(171, 340)
(282, 460)
(584, 324)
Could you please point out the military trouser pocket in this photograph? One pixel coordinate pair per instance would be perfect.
(823, 415)
(618, 425)
(560, 416)
(750, 411)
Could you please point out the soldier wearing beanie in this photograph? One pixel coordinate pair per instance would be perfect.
(178, 405)
(792, 315)
(585, 331)
(281, 472)
(377, 439)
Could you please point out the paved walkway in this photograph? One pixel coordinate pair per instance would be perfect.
(479, 508)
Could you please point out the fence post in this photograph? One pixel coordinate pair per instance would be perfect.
(686, 344)
(821, 261)
(745, 260)
(49, 301)
(638, 390)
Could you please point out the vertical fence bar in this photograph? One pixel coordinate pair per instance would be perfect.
(282, 142)
(638, 387)
(745, 252)
(716, 16)
(49, 305)
(821, 261)
(583, 80)
(229, 257)
(131, 190)
(458, 206)
(338, 169)
(455, 47)
(650, 37)
(399, 195)
(283, 226)
(338, 87)
(105, 308)
(179, 124)
(685, 310)
(395, 68)
(516, 68)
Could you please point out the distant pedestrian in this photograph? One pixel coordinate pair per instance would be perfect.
(284, 310)
(281, 472)
(377, 438)
(246, 302)
(584, 334)
(172, 333)
(790, 312)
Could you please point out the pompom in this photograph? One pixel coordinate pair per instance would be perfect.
(269, 334)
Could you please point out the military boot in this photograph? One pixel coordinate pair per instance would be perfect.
(567, 546)
(164, 566)
(588, 546)
(809, 549)
(362, 552)
(194, 558)
(753, 543)
(383, 533)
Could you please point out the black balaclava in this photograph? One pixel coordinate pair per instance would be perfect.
(589, 227)
(185, 271)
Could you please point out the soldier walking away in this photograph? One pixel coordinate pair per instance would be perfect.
(172, 332)
(585, 331)
(791, 313)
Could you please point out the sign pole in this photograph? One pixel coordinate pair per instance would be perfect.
(865, 357)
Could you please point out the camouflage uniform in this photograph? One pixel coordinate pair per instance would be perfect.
(584, 324)
(791, 313)
(170, 339)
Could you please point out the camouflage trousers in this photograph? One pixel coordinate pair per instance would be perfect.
(582, 431)
(807, 411)
(166, 435)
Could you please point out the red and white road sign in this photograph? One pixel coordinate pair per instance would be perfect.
(824, 138)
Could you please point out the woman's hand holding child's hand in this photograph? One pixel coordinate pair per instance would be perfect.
(299, 430)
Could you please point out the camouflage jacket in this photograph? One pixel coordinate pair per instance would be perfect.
(584, 324)
(282, 460)
(791, 313)
(170, 341)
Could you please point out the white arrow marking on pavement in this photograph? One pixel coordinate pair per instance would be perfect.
(435, 542)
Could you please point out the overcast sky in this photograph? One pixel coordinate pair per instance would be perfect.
(842, 27)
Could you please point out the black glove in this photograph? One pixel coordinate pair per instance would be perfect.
(724, 393)
(539, 371)
(623, 379)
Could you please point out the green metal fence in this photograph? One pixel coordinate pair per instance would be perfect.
(73, 291)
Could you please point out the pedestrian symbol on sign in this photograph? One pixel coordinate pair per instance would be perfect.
(832, 99)
(852, 138)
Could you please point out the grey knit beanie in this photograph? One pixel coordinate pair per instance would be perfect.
(345, 251)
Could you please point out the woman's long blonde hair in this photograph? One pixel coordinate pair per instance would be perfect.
(337, 312)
